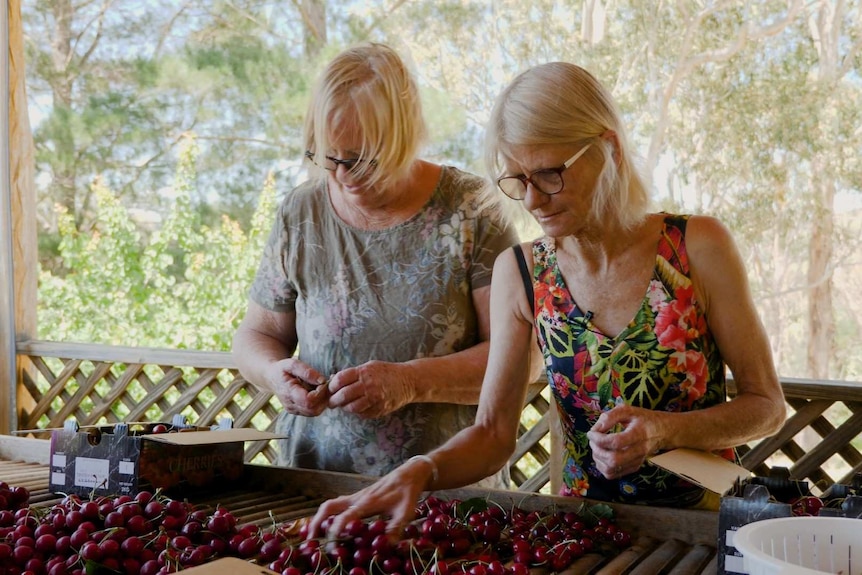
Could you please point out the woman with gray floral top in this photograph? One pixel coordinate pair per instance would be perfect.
(369, 315)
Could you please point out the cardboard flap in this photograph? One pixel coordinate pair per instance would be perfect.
(211, 437)
(701, 467)
(229, 566)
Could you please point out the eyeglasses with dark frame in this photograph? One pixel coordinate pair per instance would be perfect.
(549, 181)
(331, 164)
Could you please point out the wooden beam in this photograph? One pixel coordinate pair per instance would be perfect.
(18, 247)
(7, 307)
(129, 355)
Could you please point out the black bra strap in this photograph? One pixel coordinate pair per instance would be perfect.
(525, 275)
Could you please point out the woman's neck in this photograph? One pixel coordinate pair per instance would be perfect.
(597, 251)
(382, 209)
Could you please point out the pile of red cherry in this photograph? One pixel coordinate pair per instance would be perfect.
(148, 534)
(473, 537)
(151, 534)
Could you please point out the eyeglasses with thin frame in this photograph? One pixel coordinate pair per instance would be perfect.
(549, 181)
(331, 164)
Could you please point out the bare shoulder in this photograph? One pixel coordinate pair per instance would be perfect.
(716, 265)
(707, 238)
(507, 261)
(707, 228)
(506, 281)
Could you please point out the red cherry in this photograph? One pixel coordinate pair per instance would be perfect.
(91, 551)
(131, 566)
(138, 525)
(377, 527)
(132, 546)
(218, 524)
(806, 505)
(22, 553)
(270, 550)
(109, 547)
(115, 519)
(143, 497)
(355, 528)
(46, 543)
(153, 509)
(622, 538)
(248, 547)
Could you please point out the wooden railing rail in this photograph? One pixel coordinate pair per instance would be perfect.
(821, 441)
(97, 384)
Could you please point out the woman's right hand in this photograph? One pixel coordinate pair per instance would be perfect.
(301, 389)
(393, 496)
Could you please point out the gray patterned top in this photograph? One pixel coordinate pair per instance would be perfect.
(392, 295)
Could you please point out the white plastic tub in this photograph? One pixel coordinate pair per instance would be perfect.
(801, 546)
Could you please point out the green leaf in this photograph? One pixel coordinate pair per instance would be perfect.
(599, 511)
(470, 506)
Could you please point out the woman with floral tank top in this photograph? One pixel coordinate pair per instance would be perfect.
(664, 359)
(638, 315)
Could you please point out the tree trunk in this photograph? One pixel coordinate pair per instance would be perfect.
(61, 87)
(820, 278)
(820, 251)
(314, 16)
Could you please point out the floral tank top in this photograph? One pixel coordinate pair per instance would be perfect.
(665, 359)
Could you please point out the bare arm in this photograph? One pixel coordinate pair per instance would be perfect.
(263, 348)
(758, 409)
(721, 283)
(477, 451)
(486, 446)
(457, 377)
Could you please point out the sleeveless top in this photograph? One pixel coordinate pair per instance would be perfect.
(665, 360)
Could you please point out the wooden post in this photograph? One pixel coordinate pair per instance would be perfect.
(18, 248)
(7, 309)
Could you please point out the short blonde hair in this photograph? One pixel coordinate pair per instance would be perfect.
(372, 83)
(561, 103)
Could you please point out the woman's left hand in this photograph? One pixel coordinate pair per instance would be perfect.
(373, 389)
(622, 439)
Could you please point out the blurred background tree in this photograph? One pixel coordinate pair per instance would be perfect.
(166, 132)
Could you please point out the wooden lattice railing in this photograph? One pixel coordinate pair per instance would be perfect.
(93, 384)
(821, 440)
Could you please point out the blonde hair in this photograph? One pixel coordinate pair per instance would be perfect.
(372, 84)
(561, 103)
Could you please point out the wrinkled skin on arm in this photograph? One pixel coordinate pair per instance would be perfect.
(477, 451)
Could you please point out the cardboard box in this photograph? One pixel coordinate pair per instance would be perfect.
(747, 498)
(127, 458)
(229, 566)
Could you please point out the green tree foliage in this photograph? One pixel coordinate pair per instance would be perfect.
(180, 287)
(117, 86)
(749, 111)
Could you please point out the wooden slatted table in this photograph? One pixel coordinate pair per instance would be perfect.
(665, 541)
